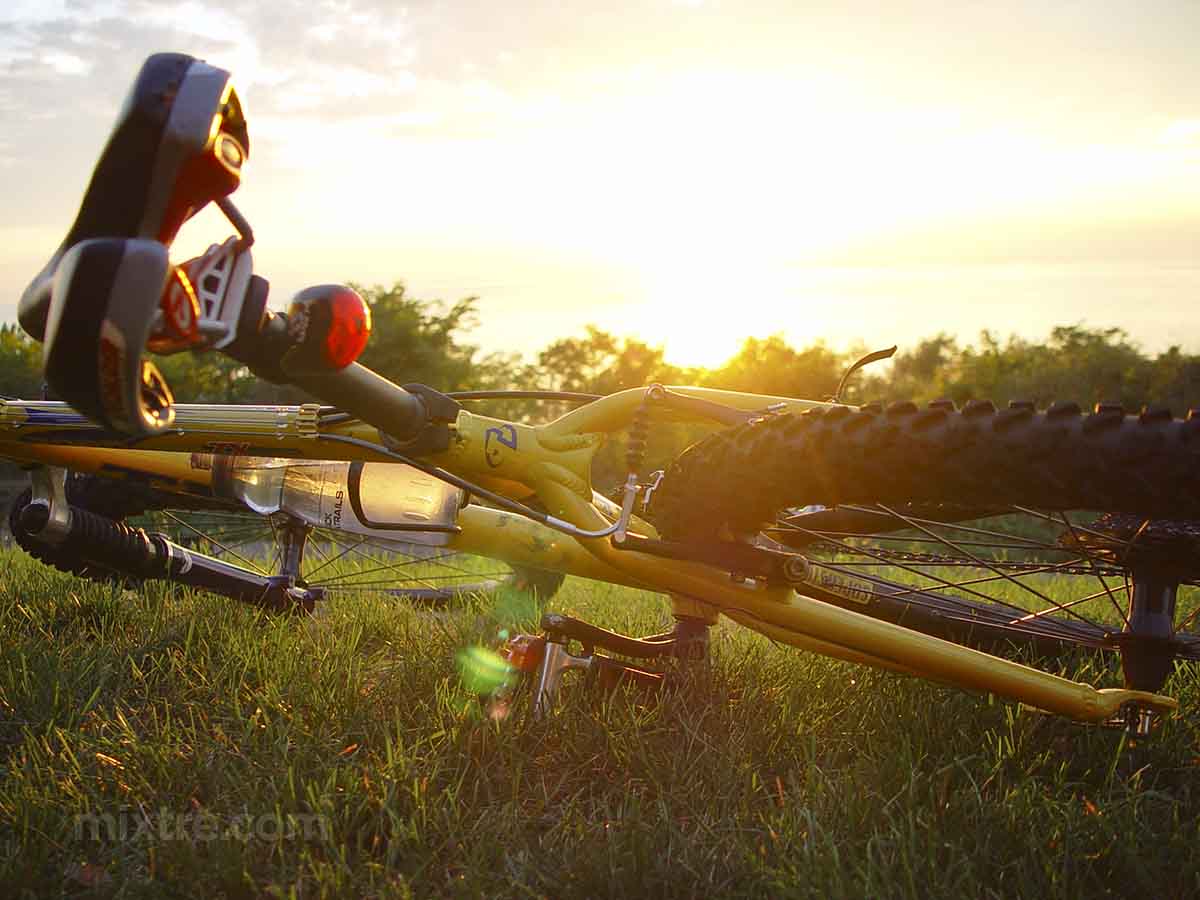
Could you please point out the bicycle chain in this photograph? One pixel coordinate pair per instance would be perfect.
(911, 556)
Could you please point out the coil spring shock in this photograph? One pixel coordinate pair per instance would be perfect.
(635, 454)
(100, 540)
(93, 540)
(639, 433)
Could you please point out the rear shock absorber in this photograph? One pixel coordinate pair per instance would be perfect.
(100, 540)
(91, 538)
(635, 454)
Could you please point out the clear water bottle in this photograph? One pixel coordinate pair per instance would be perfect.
(388, 501)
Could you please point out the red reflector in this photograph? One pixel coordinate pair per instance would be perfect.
(524, 652)
(349, 328)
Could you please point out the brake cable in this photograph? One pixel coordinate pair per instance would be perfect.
(500, 500)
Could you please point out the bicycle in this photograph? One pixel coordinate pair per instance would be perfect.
(932, 541)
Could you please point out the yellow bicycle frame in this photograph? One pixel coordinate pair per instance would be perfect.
(552, 461)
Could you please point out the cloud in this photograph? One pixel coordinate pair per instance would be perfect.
(67, 63)
(603, 99)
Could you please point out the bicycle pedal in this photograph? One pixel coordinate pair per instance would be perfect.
(547, 660)
(688, 641)
(1137, 720)
(556, 661)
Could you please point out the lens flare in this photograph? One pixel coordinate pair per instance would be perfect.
(483, 670)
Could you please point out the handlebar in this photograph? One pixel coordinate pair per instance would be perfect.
(369, 396)
(110, 293)
(115, 298)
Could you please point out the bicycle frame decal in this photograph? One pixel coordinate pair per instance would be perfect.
(333, 518)
(48, 417)
(853, 589)
(505, 435)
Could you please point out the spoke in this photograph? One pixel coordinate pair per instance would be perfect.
(332, 559)
(961, 562)
(423, 579)
(1044, 612)
(276, 545)
(953, 545)
(225, 534)
(232, 553)
(910, 539)
(1069, 634)
(984, 579)
(315, 545)
(992, 611)
(1080, 528)
(1092, 562)
(1189, 620)
(920, 574)
(236, 539)
(353, 579)
(390, 567)
(205, 515)
(989, 613)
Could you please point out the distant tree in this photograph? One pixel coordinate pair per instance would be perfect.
(1074, 363)
(603, 364)
(1085, 365)
(207, 378)
(20, 363)
(428, 342)
(1175, 380)
(772, 366)
(600, 363)
(418, 340)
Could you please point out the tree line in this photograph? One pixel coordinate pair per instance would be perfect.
(430, 342)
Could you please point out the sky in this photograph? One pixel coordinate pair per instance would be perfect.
(691, 173)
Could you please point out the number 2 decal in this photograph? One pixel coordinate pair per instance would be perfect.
(504, 434)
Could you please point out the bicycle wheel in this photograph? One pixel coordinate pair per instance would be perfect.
(989, 528)
(341, 563)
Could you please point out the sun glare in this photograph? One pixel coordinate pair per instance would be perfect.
(711, 187)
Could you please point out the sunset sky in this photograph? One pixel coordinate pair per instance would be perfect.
(690, 172)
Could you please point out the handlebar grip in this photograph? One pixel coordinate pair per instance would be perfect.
(307, 346)
(369, 396)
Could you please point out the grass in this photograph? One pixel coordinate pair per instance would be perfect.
(236, 754)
